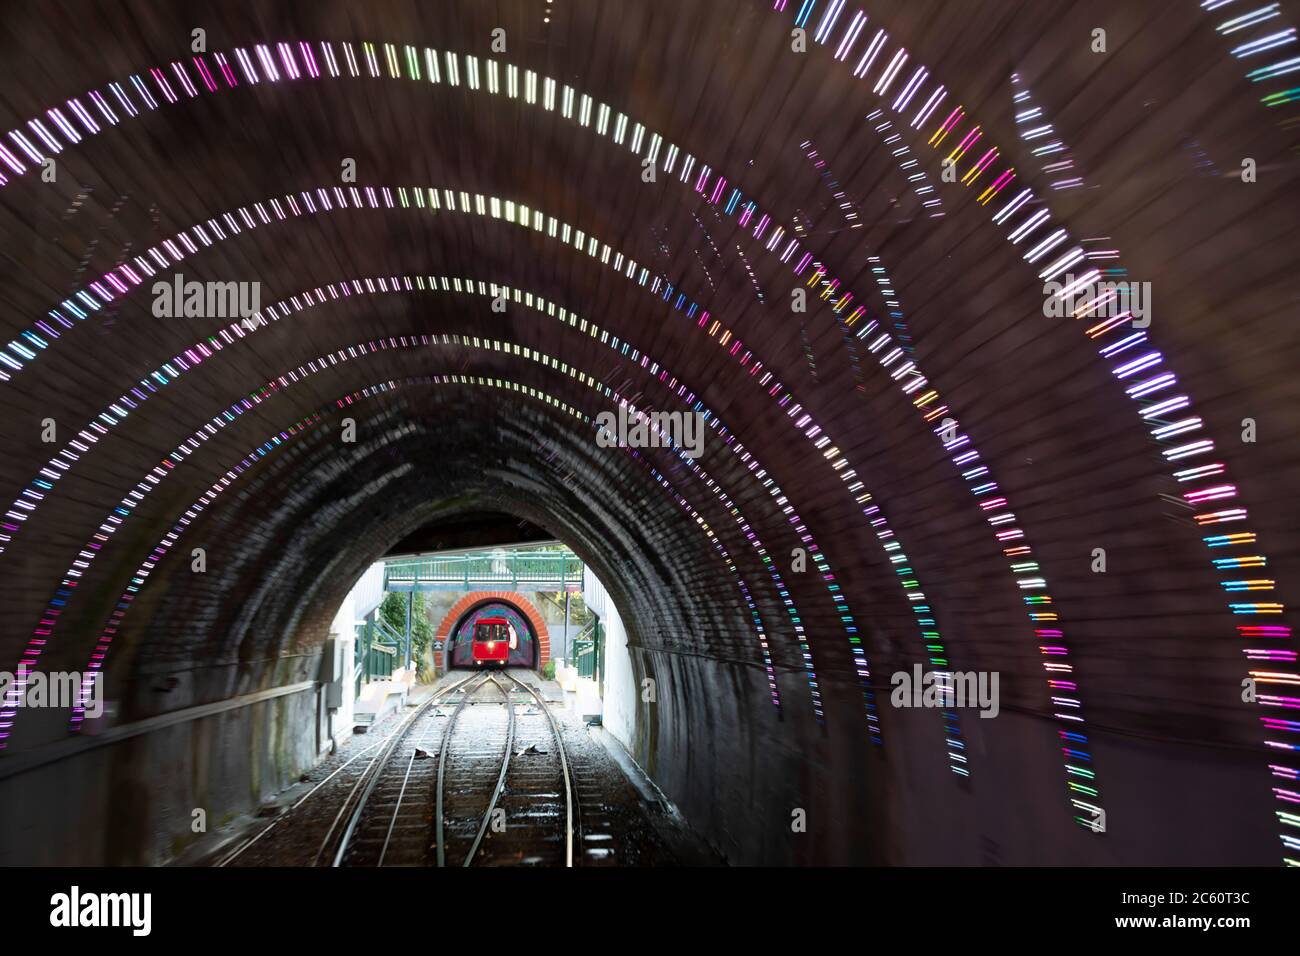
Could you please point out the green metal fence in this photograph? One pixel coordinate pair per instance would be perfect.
(589, 650)
(378, 651)
(481, 570)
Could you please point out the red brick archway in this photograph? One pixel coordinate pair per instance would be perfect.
(521, 603)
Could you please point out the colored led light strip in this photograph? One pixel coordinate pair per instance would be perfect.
(1032, 125)
(916, 175)
(1084, 797)
(1145, 386)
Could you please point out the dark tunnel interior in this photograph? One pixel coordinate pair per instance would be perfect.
(863, 247)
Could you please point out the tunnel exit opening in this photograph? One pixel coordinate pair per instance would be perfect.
(493, 621)
(537, 598)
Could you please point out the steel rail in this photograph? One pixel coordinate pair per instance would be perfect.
(570, 809)
(375, 770)
(439, 839)
(501, 777)
(243, 847)
(401, 794)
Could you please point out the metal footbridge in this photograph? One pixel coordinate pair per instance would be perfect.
(503, 570)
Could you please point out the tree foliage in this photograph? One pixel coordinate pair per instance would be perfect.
(393, 611)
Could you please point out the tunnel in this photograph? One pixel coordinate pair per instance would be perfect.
(524, 650)
(913, 377)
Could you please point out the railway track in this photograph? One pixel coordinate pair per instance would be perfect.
(487, 783)
(344, 785)
(530, 816)
(389, 822)
(480, 765)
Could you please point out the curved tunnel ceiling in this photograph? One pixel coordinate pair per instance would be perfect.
(851, 259)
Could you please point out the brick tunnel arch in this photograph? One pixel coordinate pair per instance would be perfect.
(841, 526)
(461, 611)
(384, 485)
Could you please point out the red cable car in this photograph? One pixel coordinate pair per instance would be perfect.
(493, 641)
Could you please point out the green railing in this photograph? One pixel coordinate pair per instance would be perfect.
(587, 650)
(478, 570)
(378, 653)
